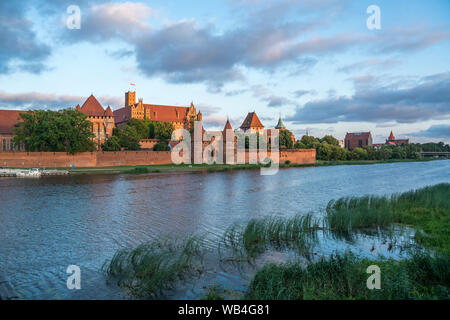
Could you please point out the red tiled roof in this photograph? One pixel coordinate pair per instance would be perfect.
(92, 107)
(8, 120)
(166, 113)
(251, 121)
(227, 126)
(357, 135)
(109, 112)
(122, 114)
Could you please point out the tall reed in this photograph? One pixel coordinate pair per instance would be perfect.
(152, 267)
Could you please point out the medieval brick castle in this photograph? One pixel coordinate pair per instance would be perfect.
(104, 120)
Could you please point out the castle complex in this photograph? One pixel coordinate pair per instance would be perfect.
(104, 120)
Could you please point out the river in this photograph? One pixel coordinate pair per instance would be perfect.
(50, 223)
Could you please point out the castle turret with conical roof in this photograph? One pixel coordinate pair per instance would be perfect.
(280, 125)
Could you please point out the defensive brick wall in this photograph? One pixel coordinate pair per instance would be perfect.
(119, 158)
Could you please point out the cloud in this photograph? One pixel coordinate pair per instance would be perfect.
(434, 131)
(373, 63)
(20, 48)
(428, 99)
(267, 36)
(277, 101)
(36, 100)
(121, 53)
(300, 93)
(207, 109)
(110, 20)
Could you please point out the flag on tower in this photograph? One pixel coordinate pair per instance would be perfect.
(132, 84)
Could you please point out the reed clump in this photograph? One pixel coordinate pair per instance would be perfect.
(298, 232)
(426, 209)
(343, 276)
(149, 269)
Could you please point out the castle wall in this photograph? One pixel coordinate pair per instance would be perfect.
(119, 158)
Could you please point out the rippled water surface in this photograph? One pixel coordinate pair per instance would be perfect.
(50, 223)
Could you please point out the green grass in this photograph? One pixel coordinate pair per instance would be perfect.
(427, 210)
(343, 276)
(298, 232)
(214, 292)
(220, 167)
(149, 269)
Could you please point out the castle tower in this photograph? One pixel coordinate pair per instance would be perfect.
(130, 98)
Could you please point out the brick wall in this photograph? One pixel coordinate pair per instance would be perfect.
(119, 158)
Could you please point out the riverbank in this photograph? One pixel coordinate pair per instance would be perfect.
(170, 168)
(424, 274)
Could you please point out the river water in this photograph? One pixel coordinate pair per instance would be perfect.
(50, 223)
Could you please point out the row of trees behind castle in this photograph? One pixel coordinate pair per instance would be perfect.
(69, 131)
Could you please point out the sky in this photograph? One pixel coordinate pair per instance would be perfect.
(315, 63)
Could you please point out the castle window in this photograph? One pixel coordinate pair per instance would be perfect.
(4, 145)
(11, 145)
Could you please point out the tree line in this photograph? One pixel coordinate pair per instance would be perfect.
(327, 148)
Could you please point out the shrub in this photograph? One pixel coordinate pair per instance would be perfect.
(161, 146)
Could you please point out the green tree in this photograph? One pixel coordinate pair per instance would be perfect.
(362, 153)
(330, 140)
(142, 127)
(286, 139)
(310, 141)
(299, 145)
(163, 130)
(128, 138)
(161, 146)
(66, 130)
(112, 144)
(371, 154)
(324, 151)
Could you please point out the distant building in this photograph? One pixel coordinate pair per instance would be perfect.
(357, 140)
(341, 143)
(397, 142)
(8, 121)
(252, 124)
(102, 120)
(180, 117)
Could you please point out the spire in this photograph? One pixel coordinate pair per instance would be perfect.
(391, 136)
(280, 124)
(227, 125)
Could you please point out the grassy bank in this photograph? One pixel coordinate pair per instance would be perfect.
(427, 210)
(167, 168)
(344, 277)
(424, 275)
